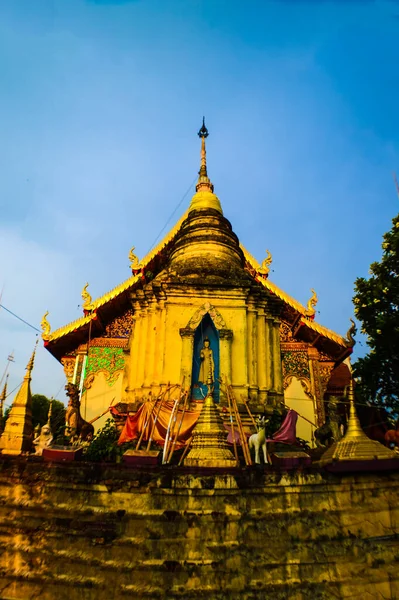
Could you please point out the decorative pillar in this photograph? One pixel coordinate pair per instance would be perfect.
(135, 345)
(278, 374)
(225, 340)
(142, 350)
(320, 373)
(251, 350)
(187, 349)
(269, 355)
(162, 333)
(150, 346)
(262, 354)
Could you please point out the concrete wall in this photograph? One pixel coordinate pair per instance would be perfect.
(89, 532)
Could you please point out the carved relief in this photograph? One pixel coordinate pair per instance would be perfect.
(121, 326)
(215, 315)
(68, 362)
(285, 332)
(296, 364)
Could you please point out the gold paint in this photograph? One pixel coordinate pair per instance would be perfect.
(87, 299)
(46, 328)
(310, 307)
(355, 445)
(209, 447)
(134, 261)
(18, 431)
(265, 268)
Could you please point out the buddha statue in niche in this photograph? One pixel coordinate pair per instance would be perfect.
(207, 367)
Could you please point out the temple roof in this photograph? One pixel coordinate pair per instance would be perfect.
(104, 307)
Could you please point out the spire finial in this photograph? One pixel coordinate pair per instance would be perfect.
(29, 366)
(3, 397)
(203, 179)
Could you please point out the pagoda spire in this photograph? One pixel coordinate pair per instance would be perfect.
(203, 182)
(3, 397)
(17, 435)
(204, 198)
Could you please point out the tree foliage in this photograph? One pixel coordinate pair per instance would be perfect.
(377, 308)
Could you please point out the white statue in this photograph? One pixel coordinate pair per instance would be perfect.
(43, 440)
(258, 440)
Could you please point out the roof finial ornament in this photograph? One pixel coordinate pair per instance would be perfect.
(350, 334)
(134, 261)
(310, 307)
(46, 327)
(203, 179)
(87, 299)
(265, 268)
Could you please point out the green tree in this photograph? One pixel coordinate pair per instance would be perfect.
(377, 308)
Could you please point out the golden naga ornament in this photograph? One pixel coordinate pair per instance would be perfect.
(265, 268)
(87, 299)
(134, 261)
(46, 327)
(350, 335)
(310, 307)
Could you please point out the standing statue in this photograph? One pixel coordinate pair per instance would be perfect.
(207, 368)
(76, 426)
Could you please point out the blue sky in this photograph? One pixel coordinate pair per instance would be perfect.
(100, 105)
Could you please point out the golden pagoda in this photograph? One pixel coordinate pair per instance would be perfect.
(355, 445)
(200, 282)
(18, 431)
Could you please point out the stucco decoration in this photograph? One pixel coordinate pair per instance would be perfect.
(110, 361)
(213, 312)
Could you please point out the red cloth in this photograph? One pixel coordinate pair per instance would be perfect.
(287, 432)
(135, 424)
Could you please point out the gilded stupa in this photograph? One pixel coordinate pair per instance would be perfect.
(356, 446)
(18, 431)
(200, 282)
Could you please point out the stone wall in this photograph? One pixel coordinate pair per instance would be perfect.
(88, 532)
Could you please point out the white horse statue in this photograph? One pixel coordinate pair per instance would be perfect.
(258, 440)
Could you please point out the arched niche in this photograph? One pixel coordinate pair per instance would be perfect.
(206, 330)
(225, 337)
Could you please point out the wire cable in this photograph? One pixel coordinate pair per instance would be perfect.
(20, 318)
(172, 215)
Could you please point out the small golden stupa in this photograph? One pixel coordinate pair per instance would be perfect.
(355, 445)
(18, 432)
(209, 447)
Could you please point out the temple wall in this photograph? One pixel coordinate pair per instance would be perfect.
(99, 398)
(103, 532)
